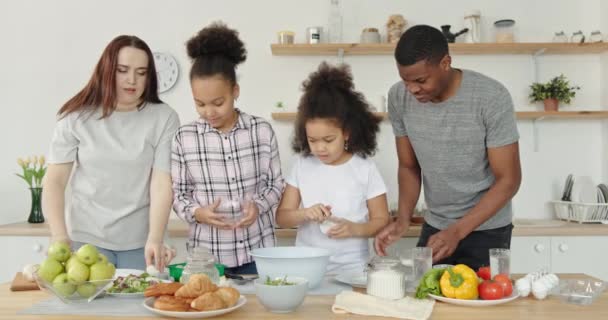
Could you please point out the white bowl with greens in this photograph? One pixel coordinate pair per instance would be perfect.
(281, 294)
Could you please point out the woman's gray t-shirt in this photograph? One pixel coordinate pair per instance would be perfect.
(450, 140)
(113, 162)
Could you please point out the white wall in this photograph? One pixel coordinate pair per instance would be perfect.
(50, 48)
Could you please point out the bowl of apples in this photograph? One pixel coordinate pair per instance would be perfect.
(74, 277)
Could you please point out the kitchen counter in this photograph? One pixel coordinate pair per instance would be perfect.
(523, 228)
(319, 307)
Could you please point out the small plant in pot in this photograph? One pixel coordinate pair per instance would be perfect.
(551, 93)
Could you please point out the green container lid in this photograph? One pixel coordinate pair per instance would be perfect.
(175, 270)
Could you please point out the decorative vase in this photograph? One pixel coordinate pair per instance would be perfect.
(551, 104)
(36, 211)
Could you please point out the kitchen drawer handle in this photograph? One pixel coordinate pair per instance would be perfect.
(539, 248)
(563, 247)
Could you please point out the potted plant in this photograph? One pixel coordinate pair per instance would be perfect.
(551, 93)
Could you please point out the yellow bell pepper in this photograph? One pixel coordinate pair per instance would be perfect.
(459, 282)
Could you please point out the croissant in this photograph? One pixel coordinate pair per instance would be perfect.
(197, 285)
(208, 301)
(229, 295)
(162, 289)
(171, 303)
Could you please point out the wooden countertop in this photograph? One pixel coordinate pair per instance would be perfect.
(523, 228)
(319, 307)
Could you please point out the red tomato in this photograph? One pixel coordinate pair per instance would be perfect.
(490, 290)
(484, 273)
(505, 282)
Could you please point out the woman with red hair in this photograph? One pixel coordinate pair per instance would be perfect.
(112, 143)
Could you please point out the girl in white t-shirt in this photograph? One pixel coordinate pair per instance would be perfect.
(335, 194)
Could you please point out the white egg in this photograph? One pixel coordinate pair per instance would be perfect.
(28, 271)
(539, 290)
(523, 287)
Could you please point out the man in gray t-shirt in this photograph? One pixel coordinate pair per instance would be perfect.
(455, 131)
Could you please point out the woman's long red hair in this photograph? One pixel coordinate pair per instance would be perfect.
(100, 91)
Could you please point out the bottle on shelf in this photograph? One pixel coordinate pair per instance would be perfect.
(335, 22)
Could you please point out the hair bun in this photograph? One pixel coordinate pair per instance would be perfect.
(217, 40)
(327, 76)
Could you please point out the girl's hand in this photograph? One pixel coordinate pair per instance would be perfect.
(343, 229)
(318, 213)
(208, 216)
(252, 212)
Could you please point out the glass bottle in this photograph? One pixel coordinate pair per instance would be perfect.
(560, 37)
(200, 261)
(335, 22)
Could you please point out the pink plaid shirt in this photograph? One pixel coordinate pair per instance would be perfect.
(207, 164)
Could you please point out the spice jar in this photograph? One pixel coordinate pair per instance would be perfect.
(370, 35)
(200, 261)
(385, 278)
(285, 37)
(313, 35)
(504, 31)
(560, 37)
(596, 36)
(577, 37)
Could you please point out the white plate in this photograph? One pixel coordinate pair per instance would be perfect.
(584, 190)
(355, 279)
(124, 273)
(476, 303)
(149, 304)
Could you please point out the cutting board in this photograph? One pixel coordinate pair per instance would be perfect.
(21, 284)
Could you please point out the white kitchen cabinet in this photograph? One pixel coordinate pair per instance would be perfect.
(530, 254)
(580, 255)
(23, 250)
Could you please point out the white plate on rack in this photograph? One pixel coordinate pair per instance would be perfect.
(149, 304)
(476, 303)
(584, 190)
(355, 279)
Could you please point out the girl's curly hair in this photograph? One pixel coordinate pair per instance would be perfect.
(329, 93)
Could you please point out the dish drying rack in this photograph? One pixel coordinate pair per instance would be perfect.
(581, 212)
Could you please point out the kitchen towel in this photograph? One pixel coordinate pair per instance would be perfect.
(362, 304)
(21, 284)
(108, 306)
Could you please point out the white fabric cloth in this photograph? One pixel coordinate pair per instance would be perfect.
(346, 188)
(362, 304)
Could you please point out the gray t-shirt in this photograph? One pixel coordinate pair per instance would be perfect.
(113, 161)
(450, 140)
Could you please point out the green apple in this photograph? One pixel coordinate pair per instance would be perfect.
(102, 271)
(87, 254)
(102, 258)
(59, 251)
(62, 285)
(70, 261)
(78, 272)
(49, 269)
(86, 290)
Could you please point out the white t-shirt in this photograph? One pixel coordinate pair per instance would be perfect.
(113, 161)
(346, 188)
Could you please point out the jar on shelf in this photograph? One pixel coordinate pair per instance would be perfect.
(596, 36)
(472, 21)
(560, 37)
(505, 30)
(577, 37)
(394, 28)
(385, 278)
(370, 35)
(285, 37)
(200, 261)
(313, 35)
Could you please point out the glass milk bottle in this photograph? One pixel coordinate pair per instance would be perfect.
(200, 261)
(385, 278)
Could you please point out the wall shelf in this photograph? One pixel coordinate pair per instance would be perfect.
(521, 115)
(302, 49)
